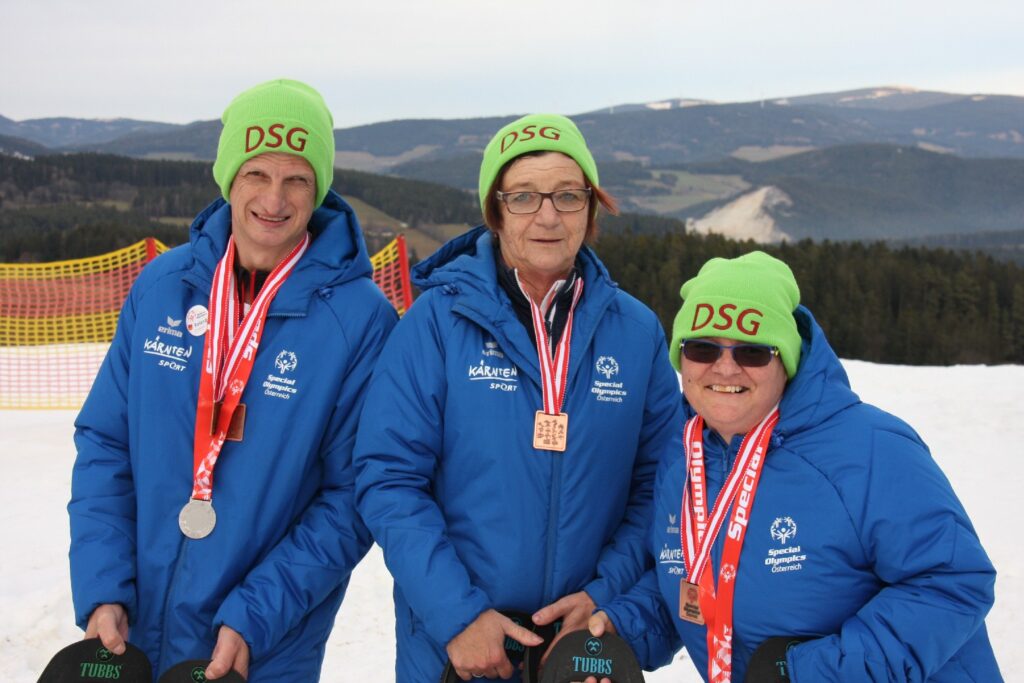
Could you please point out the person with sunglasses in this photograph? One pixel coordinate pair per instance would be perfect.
(801, 535)
(521, 388)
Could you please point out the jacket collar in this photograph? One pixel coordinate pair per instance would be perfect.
(465, 269)
(336, 254)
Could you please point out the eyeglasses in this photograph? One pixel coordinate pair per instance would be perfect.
(744, 355)
(565, 201)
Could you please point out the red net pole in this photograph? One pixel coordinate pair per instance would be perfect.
(403, 264)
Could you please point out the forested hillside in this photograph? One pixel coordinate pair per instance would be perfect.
(907, 305)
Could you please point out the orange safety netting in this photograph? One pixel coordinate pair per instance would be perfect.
(57, 319)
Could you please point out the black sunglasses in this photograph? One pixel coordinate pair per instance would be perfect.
(744, 355)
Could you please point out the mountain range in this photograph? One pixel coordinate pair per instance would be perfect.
(873, 163)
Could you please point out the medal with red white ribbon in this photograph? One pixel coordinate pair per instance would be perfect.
(551, 425)
(698, 601)
(228, 356)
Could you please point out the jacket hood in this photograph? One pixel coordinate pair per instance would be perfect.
(336, 254)
(820, 388)
(468, 260)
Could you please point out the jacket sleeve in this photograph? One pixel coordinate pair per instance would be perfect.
(938, 581)
(625, 557)
(643, 620)
(320, 552)
(102, 506)
(397, 454)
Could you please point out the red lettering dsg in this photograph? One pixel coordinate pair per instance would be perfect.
(509, 140)
(723, 313)
(550, 133)
(705, 308)
(528, 133)
(297, 143)
(754, 325)
(275, 135)
(748, 321)
(249, 144)
(256, 136)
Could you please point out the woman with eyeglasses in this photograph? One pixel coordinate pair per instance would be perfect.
(508, 446)
(802, 535)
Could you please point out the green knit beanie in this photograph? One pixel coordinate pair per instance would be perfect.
(277, 116)
(534, 133)
(750, 299)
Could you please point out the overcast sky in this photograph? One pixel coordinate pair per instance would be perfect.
(377, 60)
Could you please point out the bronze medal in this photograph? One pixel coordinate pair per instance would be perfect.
(689, 603)
(237, 426)
(550, 432)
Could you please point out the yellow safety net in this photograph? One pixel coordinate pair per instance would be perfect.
(57, 319)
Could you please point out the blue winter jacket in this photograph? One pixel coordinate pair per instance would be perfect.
(287, 536)
(855, 541)
(469, 514)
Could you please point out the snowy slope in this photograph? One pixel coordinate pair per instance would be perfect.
(971, 416)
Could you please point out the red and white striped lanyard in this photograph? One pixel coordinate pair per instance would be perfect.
(551, 425)
(554, 369)
(228, 356)
(698, 532)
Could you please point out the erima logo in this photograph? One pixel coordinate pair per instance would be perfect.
(491, 349)
(170, 327)
(198, 675)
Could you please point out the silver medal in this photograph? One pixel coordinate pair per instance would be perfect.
(197, 518)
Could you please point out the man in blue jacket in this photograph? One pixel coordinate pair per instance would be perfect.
(242, 354)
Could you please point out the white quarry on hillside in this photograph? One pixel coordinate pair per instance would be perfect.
(747, 217)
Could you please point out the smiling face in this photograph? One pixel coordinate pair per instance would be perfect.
(272, 200)
(732, 399)
(542, 245)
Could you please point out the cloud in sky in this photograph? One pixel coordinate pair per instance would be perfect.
(398, 59)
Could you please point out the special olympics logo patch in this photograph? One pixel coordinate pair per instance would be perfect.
(607, 366)
(783, 529)
(286, 361)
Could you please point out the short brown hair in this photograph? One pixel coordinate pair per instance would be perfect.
(492, 207)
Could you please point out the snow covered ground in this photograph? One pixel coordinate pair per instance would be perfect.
(970, 415)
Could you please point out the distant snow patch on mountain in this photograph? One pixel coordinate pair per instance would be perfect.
(746, 217)
(877, 94)
(675, 104)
